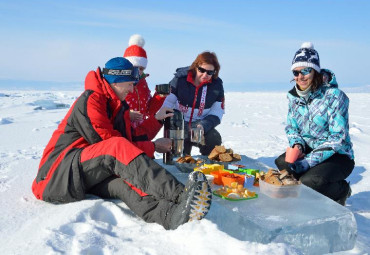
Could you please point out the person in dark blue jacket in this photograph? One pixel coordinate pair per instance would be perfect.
(198, 92)
(317, 124)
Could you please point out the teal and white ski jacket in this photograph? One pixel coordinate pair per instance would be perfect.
(320, 122)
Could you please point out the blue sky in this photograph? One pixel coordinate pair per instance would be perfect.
(60, 41)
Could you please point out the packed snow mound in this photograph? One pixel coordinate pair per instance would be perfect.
(253, 126)
(5, 121)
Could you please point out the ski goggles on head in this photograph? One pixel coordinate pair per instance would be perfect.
(209, 72)
(121, 75)
(304, 71)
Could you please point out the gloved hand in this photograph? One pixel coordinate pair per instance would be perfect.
(300, 166)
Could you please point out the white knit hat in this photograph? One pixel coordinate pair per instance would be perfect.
(135, 52)
(306, 56)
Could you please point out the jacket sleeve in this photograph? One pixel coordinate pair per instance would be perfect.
(170, 101)
(216, 112)
(209, 122)
(155, 104)
(150, 127)
(91, 120)
(292, 128)
(143, 134)
(213, 118)
(338, 130)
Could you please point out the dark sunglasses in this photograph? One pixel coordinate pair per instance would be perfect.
(304, 71)
(209, 72)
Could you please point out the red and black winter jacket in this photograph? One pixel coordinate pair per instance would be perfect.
(141, 100)
(97, 115)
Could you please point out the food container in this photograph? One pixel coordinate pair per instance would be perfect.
(214, 167)
(248, 180)
(249, 171)
(208, 168)
(217, 176)
(224, 164)
(210, 179)
(228, 178)
(233, 167)
(275, 191)
(203, 169)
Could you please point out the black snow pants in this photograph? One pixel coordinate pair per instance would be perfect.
(327, 178)
(148, 189)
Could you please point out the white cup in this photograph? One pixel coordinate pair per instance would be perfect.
(210, 179)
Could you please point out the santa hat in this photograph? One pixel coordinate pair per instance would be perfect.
(306, 56)
(135, 52)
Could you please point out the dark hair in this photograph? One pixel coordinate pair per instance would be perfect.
(317, 80)
(208, 58)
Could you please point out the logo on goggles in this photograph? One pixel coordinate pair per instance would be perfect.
(118, 72)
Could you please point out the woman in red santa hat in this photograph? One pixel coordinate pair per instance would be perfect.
(141, 102)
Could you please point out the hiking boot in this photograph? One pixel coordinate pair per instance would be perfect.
(342, 200)
(194, 202)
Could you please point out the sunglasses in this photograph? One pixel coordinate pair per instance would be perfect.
(209, 72)
(304, 71)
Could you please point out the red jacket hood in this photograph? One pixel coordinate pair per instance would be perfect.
(95, 81)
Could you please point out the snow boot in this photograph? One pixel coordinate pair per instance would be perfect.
(342, 200)
(193, 203)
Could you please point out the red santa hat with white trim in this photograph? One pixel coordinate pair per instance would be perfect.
(135, 52)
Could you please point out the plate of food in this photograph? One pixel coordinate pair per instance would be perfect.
(235, 193)
(187, 164)
(222, 156)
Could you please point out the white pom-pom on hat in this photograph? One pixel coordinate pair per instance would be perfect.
(135, 52)
(136, 39)
(307, 45)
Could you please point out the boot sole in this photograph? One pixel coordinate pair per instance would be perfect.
(202, 202)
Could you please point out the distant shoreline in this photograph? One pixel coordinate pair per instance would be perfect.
(18, 85)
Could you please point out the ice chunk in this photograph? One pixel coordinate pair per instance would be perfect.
(310, 222)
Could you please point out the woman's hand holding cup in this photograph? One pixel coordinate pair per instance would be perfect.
(292, 154)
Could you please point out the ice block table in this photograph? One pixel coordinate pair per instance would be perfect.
(310, 222)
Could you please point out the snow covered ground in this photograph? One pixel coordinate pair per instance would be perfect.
(253, 125)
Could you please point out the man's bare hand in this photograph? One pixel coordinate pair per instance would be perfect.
(163, 145)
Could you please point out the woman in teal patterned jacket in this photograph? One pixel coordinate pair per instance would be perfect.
(317, 124)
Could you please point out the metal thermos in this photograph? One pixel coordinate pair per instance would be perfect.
(174, 129)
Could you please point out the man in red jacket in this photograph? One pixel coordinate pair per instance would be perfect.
(95, 150)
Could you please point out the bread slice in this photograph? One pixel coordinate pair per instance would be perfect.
(214, 154)
(225, 157)
(273, 179)
(236, 157)
(220, 148)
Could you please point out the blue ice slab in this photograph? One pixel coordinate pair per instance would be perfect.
(310, 222)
